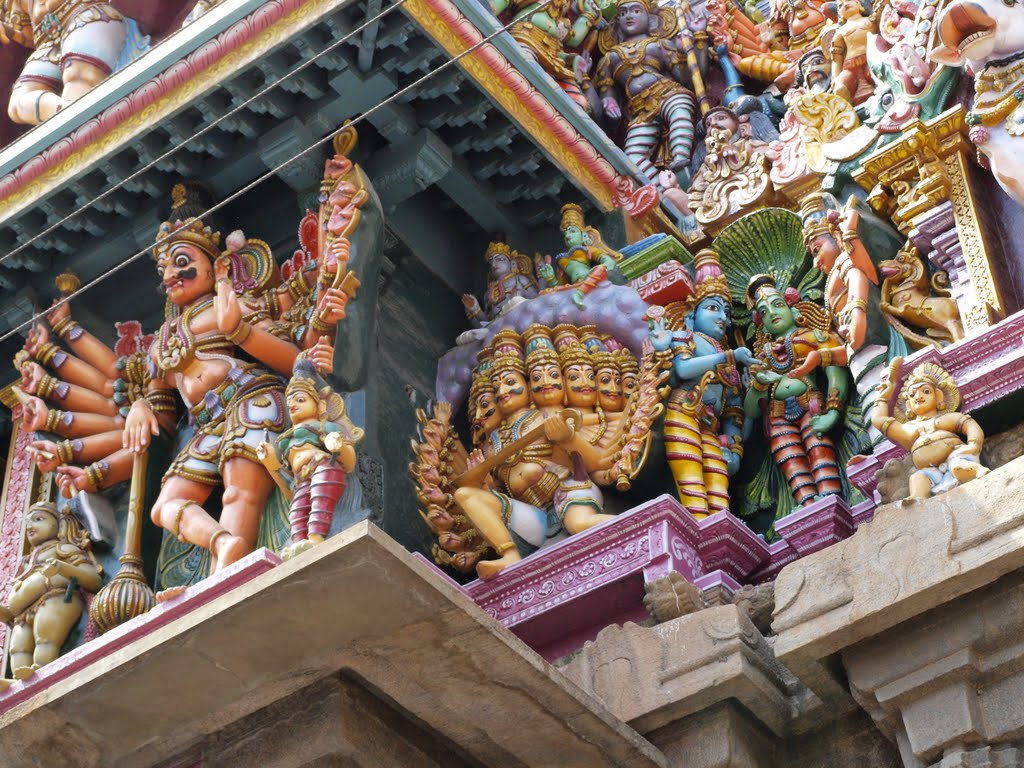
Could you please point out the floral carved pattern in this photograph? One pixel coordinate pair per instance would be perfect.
(20, 478)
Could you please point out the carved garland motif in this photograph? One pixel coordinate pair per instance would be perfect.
(19, 479)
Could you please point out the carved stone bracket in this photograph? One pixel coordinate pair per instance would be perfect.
(913, 178)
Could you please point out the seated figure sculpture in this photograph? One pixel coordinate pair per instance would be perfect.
(799, 415)
(76, 44)
(509, 281)
(45, 601)
(704, 418)
(586, 260)
(531, 490)
(926, 421)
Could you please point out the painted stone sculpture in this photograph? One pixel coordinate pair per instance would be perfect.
(225, 309)
(648, 79)
(988, 37)
(545, 31)
(586, 260)
(794, 27)
(733, 174)
(554, 419)
(509, 279)
(907, 299)
(926, 421)
(76, 45)
(848, 51)
(799, 414)
(704, 420)
(317, 452)
(235, 403)
(537, 464)
(45, 601)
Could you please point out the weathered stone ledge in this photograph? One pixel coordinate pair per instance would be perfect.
(357, 624)
(898, 645)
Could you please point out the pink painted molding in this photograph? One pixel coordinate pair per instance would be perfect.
(17, 496)
(267, 15)
(149, 93)
(541, 108)
(260, 561)
(557, 599)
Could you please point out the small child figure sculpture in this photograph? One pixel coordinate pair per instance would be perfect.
(317, 451)
(45, 601)
(927, 423)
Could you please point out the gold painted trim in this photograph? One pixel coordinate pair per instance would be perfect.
(9, 399)
(944, 139)
(439, 30)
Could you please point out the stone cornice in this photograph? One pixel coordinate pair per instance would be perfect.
(150, 89)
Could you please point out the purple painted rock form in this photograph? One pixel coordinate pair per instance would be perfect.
(615, 309)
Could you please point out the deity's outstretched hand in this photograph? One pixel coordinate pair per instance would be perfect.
(225, 302)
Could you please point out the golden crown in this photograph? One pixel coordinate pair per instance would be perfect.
(572, 216)
(709, 277)
(627, 363)
(508, 353)
(814, 212)
(191, 231)
(570, 349)
(539, 347)
(497, 247)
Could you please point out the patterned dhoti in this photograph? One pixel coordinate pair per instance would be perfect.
(695, 458)
(807, 460)
(232, 420)
(312, 508)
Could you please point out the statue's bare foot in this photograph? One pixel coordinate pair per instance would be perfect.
(230, 549)
(5, 684)
(488, 569)
(24, 673)
(6, 615)
(166, 595)
(297, 548)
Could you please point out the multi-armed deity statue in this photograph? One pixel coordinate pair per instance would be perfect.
(234, 333)
(553, 411)
(650, 75)
(509, 279)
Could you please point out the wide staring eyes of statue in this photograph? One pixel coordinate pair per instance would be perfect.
(181, 261)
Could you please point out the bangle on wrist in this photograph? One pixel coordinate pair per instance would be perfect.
(54, 419)
(96, 473)
(240, 334)
(320, 326)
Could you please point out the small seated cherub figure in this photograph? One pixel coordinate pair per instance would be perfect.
(928, 424)
(45, 601)
(317, 451)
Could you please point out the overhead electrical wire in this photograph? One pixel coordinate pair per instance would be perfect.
(234, 111)
(269, 174)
